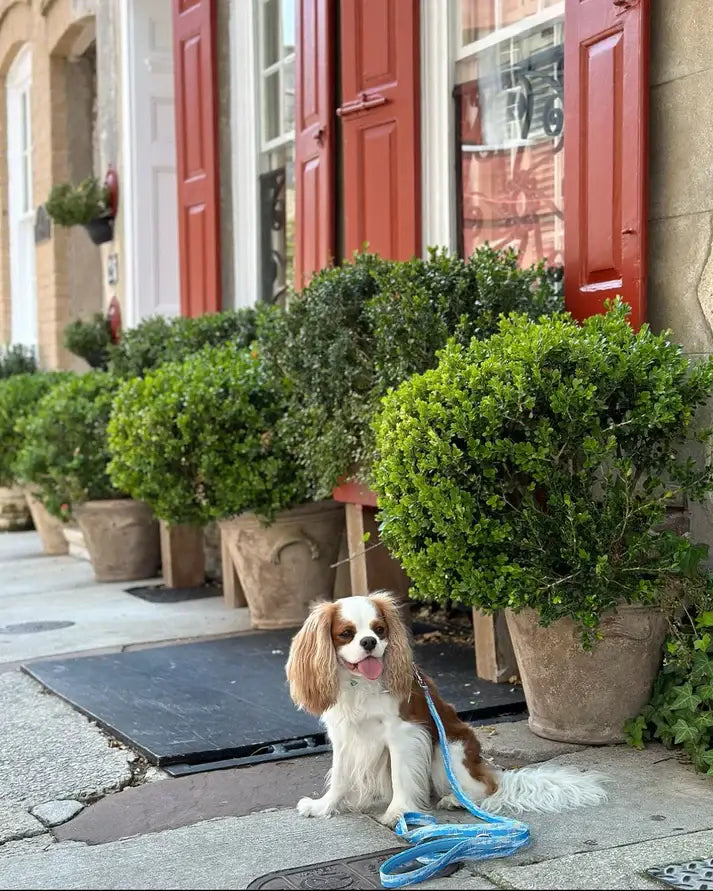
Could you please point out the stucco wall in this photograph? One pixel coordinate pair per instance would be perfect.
(680, 265)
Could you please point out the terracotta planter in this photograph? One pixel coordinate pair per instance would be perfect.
(282, 568)
(585, 697)
(182, 555)
(122, 539)
(14, 512)
(49, 528)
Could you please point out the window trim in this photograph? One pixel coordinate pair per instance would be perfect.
(245, 126)
(438, 169)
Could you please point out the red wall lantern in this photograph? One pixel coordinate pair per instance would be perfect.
(113, 317)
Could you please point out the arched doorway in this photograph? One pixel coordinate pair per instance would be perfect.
(21, 216)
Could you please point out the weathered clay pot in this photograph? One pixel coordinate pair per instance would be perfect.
(211, 551)
(49, 528)
(582, 696)
(74, 537)
(182, 555)
(282, 568)
(14, 512)
(122, 539)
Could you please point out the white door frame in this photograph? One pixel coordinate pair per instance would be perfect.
(21, 214)
(438, 160)
(132, 194)
(245, 128)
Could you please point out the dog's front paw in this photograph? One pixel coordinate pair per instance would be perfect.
(315, 807)
(391, 817)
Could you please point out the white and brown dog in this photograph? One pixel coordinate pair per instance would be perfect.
(351, 664)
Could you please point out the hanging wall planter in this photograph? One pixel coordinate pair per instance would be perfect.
(100, 229)
(91, 204)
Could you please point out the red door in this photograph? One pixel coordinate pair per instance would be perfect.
(315, 209)
(380, 126)
(606, 151)
(197, 155)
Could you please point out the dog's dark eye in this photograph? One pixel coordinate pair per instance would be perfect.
(379, 630)
(346, 634)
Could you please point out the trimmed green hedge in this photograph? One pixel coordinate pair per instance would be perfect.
(19, 396)
(65, 451)
(367, 325)
(158, 339)
(197, 440)
(533, 469)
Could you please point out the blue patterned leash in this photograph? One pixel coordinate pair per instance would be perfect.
(436, 845)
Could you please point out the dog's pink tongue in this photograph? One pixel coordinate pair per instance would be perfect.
(370, 667)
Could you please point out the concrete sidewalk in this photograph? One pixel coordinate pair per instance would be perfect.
(94, 617)
(225, 829)
(80, 810)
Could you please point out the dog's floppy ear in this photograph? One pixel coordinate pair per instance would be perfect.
(312, 664)
(398, 658)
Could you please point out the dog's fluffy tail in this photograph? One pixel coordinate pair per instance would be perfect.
(545, 789)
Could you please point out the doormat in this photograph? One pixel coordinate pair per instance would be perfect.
(224, 703)
(695, 874)
(162, 594)
(350, 872)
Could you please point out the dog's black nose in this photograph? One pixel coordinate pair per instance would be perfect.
(368, 643)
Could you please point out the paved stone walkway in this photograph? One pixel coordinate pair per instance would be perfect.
(76, 810)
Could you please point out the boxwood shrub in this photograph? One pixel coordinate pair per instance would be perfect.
(534, 469)
(197, 440)
(365, 326)
(64, 448)
(159, 339)
(17, 359)
(19, 395)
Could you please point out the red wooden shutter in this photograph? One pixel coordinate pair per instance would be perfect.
(197, 155)
(314, 142)
(605, 152)
(380, 126)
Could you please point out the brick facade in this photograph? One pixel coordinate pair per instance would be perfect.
(68, 267)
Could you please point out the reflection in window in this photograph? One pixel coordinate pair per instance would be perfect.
(509, 114)
(276, 158)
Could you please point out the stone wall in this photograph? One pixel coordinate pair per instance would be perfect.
(680, 255)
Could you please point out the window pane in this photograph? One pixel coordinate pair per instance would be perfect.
(271, 32)
(510, 123)
(288, 27)
(288, 85)
(477, 18)
(277, 223)
(271, 122)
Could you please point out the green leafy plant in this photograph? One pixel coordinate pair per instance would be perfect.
(365, 326)
(157, 340)
(197, 440)
(64, 450)
(680, 712)
(17, 359)
(70, 205)
(19, 395)
(90, 340)
(534, 469)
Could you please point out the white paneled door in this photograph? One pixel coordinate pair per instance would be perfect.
(21, 217)
(152, 238)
